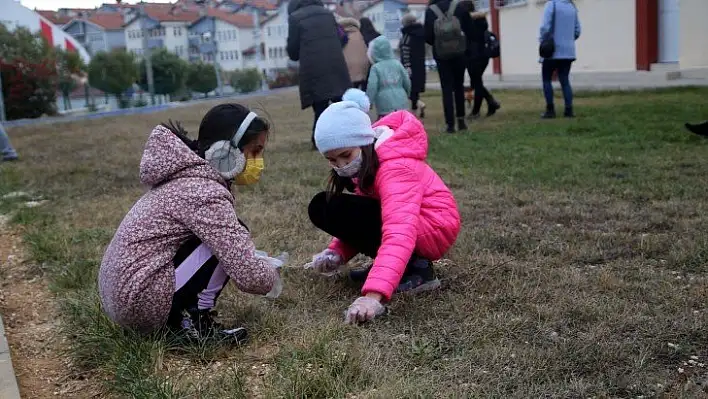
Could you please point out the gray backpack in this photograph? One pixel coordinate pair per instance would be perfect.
(450, 41)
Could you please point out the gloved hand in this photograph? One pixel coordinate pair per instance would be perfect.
(277, 264)
(363, 309)
(326, 262)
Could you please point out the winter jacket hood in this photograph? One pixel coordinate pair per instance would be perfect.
(166, 158)
(380, 50)
(415, 29)
(419, 213)
(349, 24)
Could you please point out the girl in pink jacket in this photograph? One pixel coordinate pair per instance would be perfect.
(401, 214)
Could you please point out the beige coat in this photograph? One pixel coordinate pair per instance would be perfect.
(355, 50)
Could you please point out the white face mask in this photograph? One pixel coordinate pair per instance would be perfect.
(350, 169)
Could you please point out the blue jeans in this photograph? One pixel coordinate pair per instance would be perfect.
(563, 68)
(5, 146)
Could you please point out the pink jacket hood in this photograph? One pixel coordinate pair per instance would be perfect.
(405, 139)
(419, 213)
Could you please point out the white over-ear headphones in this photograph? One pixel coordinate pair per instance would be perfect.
(225, 156)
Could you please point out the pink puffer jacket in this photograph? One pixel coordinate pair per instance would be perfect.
(419, 212)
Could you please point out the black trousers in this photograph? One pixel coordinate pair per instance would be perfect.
(361, 85)
(354, 219)
(204, 286)
(452, 83)
(476, 69)
(415, 96)
(318, 108)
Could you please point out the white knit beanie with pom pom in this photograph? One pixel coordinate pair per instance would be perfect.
(345, 124)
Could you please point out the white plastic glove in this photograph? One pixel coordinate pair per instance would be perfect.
(326, 262)
(363, 309)
(277, 264)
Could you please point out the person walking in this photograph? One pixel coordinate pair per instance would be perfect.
(446, 26)
(561, 23)
(368, 30)
(8, 152)
(314, 41)
(477, 62)
(355, 52)
(412, 49)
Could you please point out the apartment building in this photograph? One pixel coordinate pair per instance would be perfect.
(225, 37)
(166, 29)
(274, 34)
(98, 32)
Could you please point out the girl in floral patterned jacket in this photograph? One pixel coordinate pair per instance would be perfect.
(181, 242)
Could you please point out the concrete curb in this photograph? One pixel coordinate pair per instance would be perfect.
(142, 110)
(8, 381)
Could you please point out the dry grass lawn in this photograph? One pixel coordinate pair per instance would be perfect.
(580, 271)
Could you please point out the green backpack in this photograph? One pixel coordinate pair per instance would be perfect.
(450, 41)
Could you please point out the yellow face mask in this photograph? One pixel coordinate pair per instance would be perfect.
(251, 173)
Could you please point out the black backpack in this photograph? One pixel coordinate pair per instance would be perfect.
(492, 48)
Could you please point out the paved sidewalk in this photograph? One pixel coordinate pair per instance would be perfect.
(8, 382)
(142, 110)
(587, 85)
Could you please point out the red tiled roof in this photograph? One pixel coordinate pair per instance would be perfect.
(238, 19)
(417, 2)
(162, 15)
(54, 17)
(260, 4)
(108, 21)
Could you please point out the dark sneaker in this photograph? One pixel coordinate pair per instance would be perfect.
(492, 108)
(419, 277)
(359, 275)
(700, 129)
(10, 158)
(200, 325)
(450, 129)
(472, 117)
(568, 113)
(461, 125)
(549, 114)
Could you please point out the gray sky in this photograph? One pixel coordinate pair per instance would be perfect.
(56, 4)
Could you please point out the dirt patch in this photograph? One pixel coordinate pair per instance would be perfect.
(32, 327)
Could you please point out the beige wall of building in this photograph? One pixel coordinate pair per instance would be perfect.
(607, 43)
(693, 45)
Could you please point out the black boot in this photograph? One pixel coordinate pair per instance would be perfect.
(450, 129)
(418, 277)
(461, 125)
(550, 112)
(568, 113)
(700, 129)
(492, 107)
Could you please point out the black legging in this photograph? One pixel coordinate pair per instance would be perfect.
(354, 219)
(452, 83)
(476, 69)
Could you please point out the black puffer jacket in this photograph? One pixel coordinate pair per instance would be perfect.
(412, 48)
(475, 40)
(462, 12)
(313, 40)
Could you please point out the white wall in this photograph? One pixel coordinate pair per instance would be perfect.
(694, 32)
(133, 40)
(607, 43)
(275, 35)
(176, 38)
(227, 37)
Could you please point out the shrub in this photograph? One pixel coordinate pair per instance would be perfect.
(201, 77)
(140, 102)
(246, 80)
(285, 78)
(29, 88)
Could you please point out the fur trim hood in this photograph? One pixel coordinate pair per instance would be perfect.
(478, 15)
(348, 23)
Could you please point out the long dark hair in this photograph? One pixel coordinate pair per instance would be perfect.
(366, 176)
(220, 123)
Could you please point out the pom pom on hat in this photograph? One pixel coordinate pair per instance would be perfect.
(345, 124)
(359, 97)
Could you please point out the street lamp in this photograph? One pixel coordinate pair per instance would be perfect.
(147, 53)
(207, 38)
(2, 102)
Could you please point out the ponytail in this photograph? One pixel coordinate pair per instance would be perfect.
(179, 131)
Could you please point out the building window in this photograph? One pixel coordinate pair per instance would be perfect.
(269, 32)
(234, 35)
